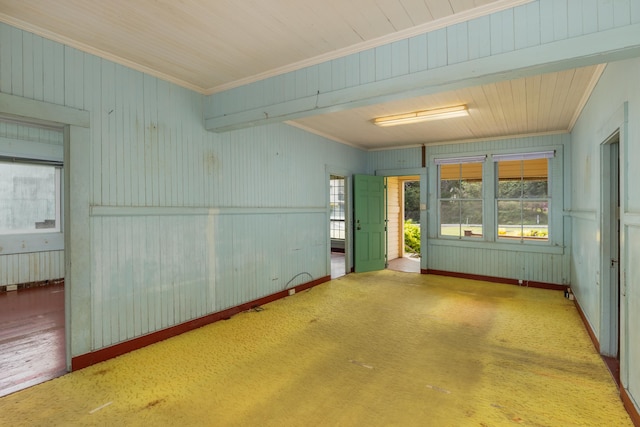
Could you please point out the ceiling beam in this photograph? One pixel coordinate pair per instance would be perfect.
(222, 113)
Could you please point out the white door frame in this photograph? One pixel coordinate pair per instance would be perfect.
(348, 208)
(609, 245)
(422, 173)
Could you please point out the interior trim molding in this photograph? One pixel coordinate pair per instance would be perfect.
(97, 211)
(97, 356)
(492, 279)
(587, 94)
(587, 325)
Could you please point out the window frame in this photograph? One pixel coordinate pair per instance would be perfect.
(523, 156)
(340, 201)
(556, 181)
(463, 235)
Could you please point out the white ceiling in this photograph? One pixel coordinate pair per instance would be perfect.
(212, 45)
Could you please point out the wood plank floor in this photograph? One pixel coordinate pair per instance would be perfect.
(32, 339)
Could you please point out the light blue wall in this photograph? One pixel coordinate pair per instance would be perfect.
(183, 222)
(613, 105)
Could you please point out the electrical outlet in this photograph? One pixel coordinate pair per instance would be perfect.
(520, 282)
(292, 291)
(12, 288)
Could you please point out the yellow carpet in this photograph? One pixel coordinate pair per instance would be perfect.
(373, 349)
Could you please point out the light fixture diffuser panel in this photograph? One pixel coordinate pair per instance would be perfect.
(422, 116)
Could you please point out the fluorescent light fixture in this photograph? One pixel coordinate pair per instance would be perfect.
(423, 116)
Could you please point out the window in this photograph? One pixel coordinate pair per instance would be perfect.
(460, 197)
(29, 198)
(522, 196)
(336, 203)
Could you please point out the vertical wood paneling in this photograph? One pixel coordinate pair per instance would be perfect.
(527, 25)
(367, 66)
(16, 269)
(502, 32)
(631, 312)
(559, 12)
(605, 15)
(400, 58)
(383, 62)
(479, 35)
(153, 272)
(339, 73)
(324, 77)
(97, 279)
(395, 159)
(437, 48)
(590, 16)
(73, 84)
(418, 53)
(575, 19)
(352, 63)
(5, 64)
(301, 86)
(622, 13)
(17, 54)
(457, 43)
(634, 12)
(27, 60)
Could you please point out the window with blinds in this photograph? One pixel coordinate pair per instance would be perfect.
(461, 197)
(522, 196)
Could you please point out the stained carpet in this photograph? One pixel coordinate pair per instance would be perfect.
(375, 349)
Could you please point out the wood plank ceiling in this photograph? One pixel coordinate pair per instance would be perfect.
(212, 45)
(538, 104)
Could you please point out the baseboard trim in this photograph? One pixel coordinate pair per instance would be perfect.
(504, 280)
(624, 396)
(88, 359)
(587, 326)
(630, 407)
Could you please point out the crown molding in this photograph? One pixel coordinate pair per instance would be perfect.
(595, 78)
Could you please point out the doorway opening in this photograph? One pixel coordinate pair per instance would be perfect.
(403, 223)
(337, 225)
(32, 297)
(610, 253)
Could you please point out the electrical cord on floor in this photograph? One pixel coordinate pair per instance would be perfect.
(294, 278)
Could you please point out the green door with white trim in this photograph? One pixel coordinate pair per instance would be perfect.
(369, 223)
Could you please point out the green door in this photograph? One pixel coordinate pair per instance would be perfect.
(369, 227)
